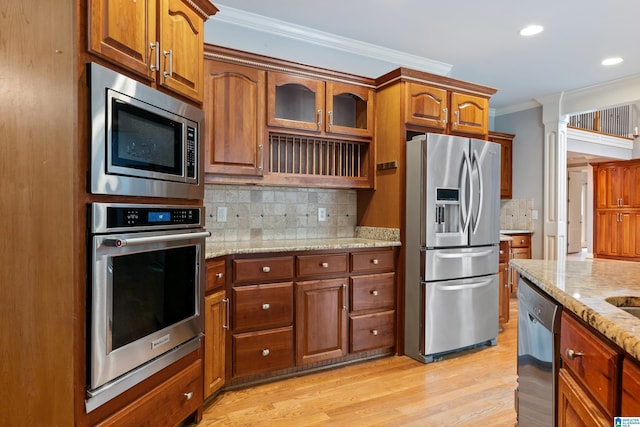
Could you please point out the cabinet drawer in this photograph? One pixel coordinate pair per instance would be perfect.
(371, 331)
(373, 292)
(215, 274)
(594, 363)
(520, 240)
(165, 405)
(262, 269)
(263, 351)
(630, 389)
(366, 262)
(315, 265)
(504, 252)
(262, 306)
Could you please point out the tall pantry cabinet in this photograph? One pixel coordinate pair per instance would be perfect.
(43, 169)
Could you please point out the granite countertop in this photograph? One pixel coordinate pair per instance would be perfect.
(582, 286)
(365, 237)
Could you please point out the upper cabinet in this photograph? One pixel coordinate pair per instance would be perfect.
(314, 105)
(234, 119)
(506, 149)
(162, 41)
(450, 111)
(616, 185)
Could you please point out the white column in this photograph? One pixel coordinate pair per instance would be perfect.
(555, 178)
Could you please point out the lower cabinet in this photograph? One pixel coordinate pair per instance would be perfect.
(321, 320)
(173, 400)
(504, 274)
(301, 310)
(575, 407)
(214, 343)
(630, 398)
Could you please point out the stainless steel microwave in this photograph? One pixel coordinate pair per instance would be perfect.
(143, 142)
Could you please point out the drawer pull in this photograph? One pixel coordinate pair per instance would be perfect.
(572, 354)
(324, 265)
(374, 293)
(266, 269)
(374, 332)
(189, 395)
(522, 242)
(265, 352)
(501, 252)
(219, 275)
(266, 306)
(375, 261)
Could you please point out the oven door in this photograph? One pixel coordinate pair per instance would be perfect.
(147, 297)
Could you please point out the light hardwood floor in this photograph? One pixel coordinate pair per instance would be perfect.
(473, 388)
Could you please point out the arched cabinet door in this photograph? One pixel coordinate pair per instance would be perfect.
(295, 102)
(350, 109)
(470, 114)
(426, 106)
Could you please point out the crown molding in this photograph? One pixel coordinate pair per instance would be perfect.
(303, 34)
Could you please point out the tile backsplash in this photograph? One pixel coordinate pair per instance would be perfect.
(515, 214)
(274, 213)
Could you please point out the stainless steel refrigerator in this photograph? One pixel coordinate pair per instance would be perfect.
(451, 245)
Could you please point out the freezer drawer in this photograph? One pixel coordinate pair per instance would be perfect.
(455, 263)
(459, 313)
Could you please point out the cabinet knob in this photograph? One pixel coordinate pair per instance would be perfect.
(572, 354)
(266, 306)
(265, 352)
(188, 396)
(501, 252)
(219, 275)
(374, 293)
(522, 242)
(266, 269)
(374, 332)
(324, 265)
(375, 261)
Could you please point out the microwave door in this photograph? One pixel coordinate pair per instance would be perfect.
(485, 178)
(446, 173)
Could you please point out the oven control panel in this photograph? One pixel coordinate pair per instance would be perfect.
(107, 217)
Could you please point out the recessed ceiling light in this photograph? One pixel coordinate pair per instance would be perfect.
(531, 30)
(612, 61)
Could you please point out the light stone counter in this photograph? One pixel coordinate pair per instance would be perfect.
(582, 286)
(366, 237)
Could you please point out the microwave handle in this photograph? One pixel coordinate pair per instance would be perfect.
(154, 239)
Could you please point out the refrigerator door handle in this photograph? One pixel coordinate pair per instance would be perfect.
(466, 210)
(474, 285)
(464, 254)
(481, 189)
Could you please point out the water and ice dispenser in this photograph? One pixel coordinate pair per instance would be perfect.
(447, 215)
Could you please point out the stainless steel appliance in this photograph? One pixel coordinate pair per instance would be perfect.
(143, 142)
(146, 292)
(452, 244)
(538, 357)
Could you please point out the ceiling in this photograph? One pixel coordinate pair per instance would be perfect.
(466, 39)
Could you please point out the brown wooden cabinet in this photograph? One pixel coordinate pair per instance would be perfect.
(504, 273)
(594, 365)
(617, 215)
(575, 408)
(234, 110)
(308, 104)
(216, 323)
(520, 249)
(321, 320)
(630, 398)
(469, 114)
(506, 157)
(162, 41)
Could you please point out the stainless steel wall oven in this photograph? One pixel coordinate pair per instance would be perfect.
(146, 292)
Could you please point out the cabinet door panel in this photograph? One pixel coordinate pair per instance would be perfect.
(262, 351)
(295, 102)
(426, 106)
(122, 32)
(349, 109)
(630, 389)
(575, 408)
(371, 331)
(214, 343)
(262, 306)
(181, 35)
(470, 113)
(321, 320)
(234, 119)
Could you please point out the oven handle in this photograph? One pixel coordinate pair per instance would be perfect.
(118, 243)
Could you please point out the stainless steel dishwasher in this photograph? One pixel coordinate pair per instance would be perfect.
(538, 356)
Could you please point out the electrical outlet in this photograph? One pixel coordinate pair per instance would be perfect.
(322, 214)
(534, 214)
(222, 214)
